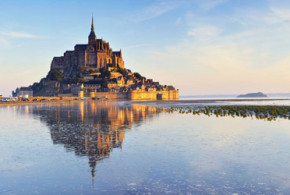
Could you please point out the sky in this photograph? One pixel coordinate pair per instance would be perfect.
(200, 46)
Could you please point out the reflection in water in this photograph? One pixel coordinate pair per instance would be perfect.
(90, 129)
(174, 153)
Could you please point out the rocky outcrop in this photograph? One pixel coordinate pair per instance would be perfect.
(253, 95)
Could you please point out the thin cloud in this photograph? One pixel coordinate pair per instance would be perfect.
(156, 10)
(136, 46)
(15, 34)
(222, 68)
(210, 4)
(281, 14)
(204, 33)
(3, 41)
(6, 37)
(178, 21)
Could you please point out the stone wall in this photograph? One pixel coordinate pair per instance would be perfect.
(154, 95)
(40, 98)
(139, 95)
(110, 95)
(81, 59)
(134, 95)
(102, 59)
(91, 58)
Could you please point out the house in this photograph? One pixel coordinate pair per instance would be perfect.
(75, 89)
(24, 92)
(88, 78)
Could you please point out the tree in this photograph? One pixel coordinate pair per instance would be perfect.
(104, 83)
(55, 75)
(123, 71)
(137, 75)
(105, 72)
(80, 80)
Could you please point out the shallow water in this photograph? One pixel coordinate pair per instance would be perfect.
(109, 148)
(219, 102)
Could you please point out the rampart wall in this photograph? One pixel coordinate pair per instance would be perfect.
(133, 95)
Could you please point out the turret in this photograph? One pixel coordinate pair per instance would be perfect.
(92, 36)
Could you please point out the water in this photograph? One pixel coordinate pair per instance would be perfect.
(272, 99)
(119, 148)
(219, 102)
(234, 96)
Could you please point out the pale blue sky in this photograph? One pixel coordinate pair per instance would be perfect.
(199, 46)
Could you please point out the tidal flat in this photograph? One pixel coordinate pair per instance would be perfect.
(123, 148)
(259, 112)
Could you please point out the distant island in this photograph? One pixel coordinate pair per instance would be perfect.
(255, 95)
(94, 70)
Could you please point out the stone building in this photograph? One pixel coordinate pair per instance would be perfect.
(92, 56)
(24, 92)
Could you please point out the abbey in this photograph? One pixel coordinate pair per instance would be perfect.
(92, 56)
(94, 70)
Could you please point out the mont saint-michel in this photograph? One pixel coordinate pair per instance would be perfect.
(97, 120)
(95, 70)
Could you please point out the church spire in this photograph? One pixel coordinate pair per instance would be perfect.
(92, 36)
(92, 26)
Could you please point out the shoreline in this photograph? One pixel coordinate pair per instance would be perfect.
(215, 100)
(38, 102)
(145, 101)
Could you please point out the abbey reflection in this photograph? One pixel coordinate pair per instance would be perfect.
(92, 128)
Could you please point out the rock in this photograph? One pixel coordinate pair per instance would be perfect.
(259, 95)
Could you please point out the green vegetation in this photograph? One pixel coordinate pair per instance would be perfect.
(123, 71)
(105, 72)
(114, 80)
(260, 112)
(110, 65)
(80, 79)
(104, 83)
(74, 80)
(55, 75)
(137, 75)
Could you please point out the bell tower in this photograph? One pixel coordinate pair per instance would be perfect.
(92, 36)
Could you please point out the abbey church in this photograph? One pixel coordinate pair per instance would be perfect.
(92, 56)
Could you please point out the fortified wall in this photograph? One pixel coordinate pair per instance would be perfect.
(154, 95)
(133, 95)
(138, 95)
